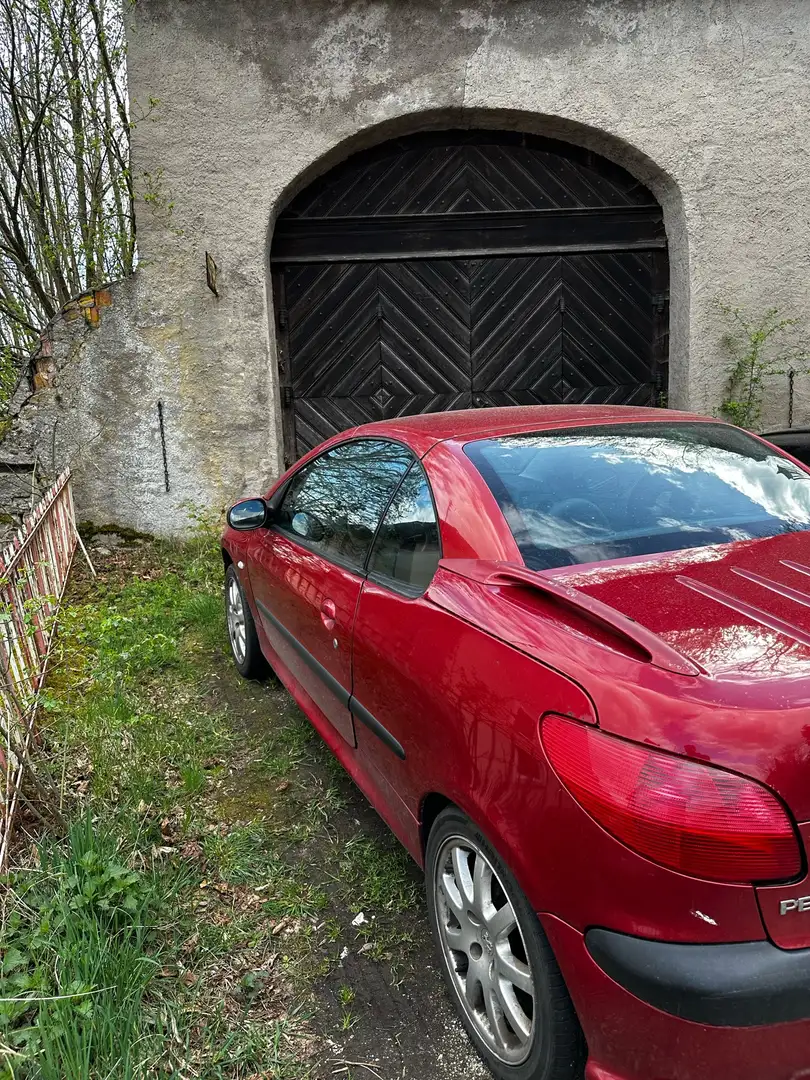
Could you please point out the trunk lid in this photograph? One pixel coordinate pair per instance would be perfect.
(739, 611)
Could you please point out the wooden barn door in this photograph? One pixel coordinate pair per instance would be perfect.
(462, 270)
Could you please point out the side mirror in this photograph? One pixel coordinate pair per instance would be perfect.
(307, 526)
(248, 514)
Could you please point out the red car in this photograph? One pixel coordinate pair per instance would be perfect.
(565, 652)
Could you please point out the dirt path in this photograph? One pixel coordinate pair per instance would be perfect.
(380, 1002)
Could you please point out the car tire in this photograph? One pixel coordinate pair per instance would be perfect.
(480, 955)
(244, 641)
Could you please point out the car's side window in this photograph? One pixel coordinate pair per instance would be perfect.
(334, 503)
(407, 549)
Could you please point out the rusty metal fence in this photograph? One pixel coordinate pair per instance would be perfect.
(33, 572)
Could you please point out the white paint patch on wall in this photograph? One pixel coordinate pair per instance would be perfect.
(616, 18)
(353, 50)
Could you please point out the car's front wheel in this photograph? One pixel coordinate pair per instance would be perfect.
(496, 960)
(245, 648)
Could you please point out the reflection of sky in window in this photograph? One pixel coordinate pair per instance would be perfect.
(784, 494)
(607, 492)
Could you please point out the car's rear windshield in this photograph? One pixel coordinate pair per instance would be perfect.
(608, 492)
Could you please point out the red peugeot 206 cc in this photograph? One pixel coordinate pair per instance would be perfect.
(565, 652)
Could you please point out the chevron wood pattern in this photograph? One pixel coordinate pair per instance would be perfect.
(609, 328)
(367, 338)
(371, 341)
(452, 171)
(517, 331)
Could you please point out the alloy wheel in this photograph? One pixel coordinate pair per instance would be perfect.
(236, 620)
(485, 950)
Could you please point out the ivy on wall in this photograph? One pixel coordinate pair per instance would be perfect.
(756, 345)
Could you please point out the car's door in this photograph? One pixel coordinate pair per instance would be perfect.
(308, 568)
(393, 629)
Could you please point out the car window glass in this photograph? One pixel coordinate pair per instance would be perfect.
(407, 546)
(334, 504)
(614, 491)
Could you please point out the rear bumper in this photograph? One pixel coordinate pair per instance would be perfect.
(630, 1038)
(744, 985)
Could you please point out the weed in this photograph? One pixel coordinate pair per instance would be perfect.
(752, 342)
(332, 930)
(347, 1020)
(135, 707)
(313, 818)
(287, 746)
(243, 855)
(204, 613)
(193, 778)
(246, 855)
(79, 956)
(270, 1050)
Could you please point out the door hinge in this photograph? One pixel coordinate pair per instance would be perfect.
(282, 318)
(659, 396)
(286, 397)
(660, 301)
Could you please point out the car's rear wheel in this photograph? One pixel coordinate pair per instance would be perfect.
(245, 648)
(496, 960)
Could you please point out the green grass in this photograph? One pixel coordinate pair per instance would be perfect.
(247, 855)
(210, 873)
(270, 1051)
(79, 954)
(125, 689)
(123, 709)
(381, 872)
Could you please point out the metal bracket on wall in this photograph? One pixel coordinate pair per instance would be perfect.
(163, 444)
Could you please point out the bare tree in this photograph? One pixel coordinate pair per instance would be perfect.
(66, 196)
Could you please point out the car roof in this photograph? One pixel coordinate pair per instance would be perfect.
(426, 429)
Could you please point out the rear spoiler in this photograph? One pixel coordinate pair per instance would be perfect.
(505, 574)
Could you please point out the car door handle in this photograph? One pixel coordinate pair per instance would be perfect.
(328, 614)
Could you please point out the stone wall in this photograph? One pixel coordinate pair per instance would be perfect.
(239, 104)
(108, 381)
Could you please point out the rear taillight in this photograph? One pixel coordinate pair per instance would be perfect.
(690, 817)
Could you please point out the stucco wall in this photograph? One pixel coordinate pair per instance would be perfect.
(707, 102)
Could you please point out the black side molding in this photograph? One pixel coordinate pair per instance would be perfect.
(373, 724)
(741, 985)
(326, 677)
(360, 712)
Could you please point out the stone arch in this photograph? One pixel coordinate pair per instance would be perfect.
(623, 168)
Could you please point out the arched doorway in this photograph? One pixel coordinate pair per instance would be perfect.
(453, 269)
